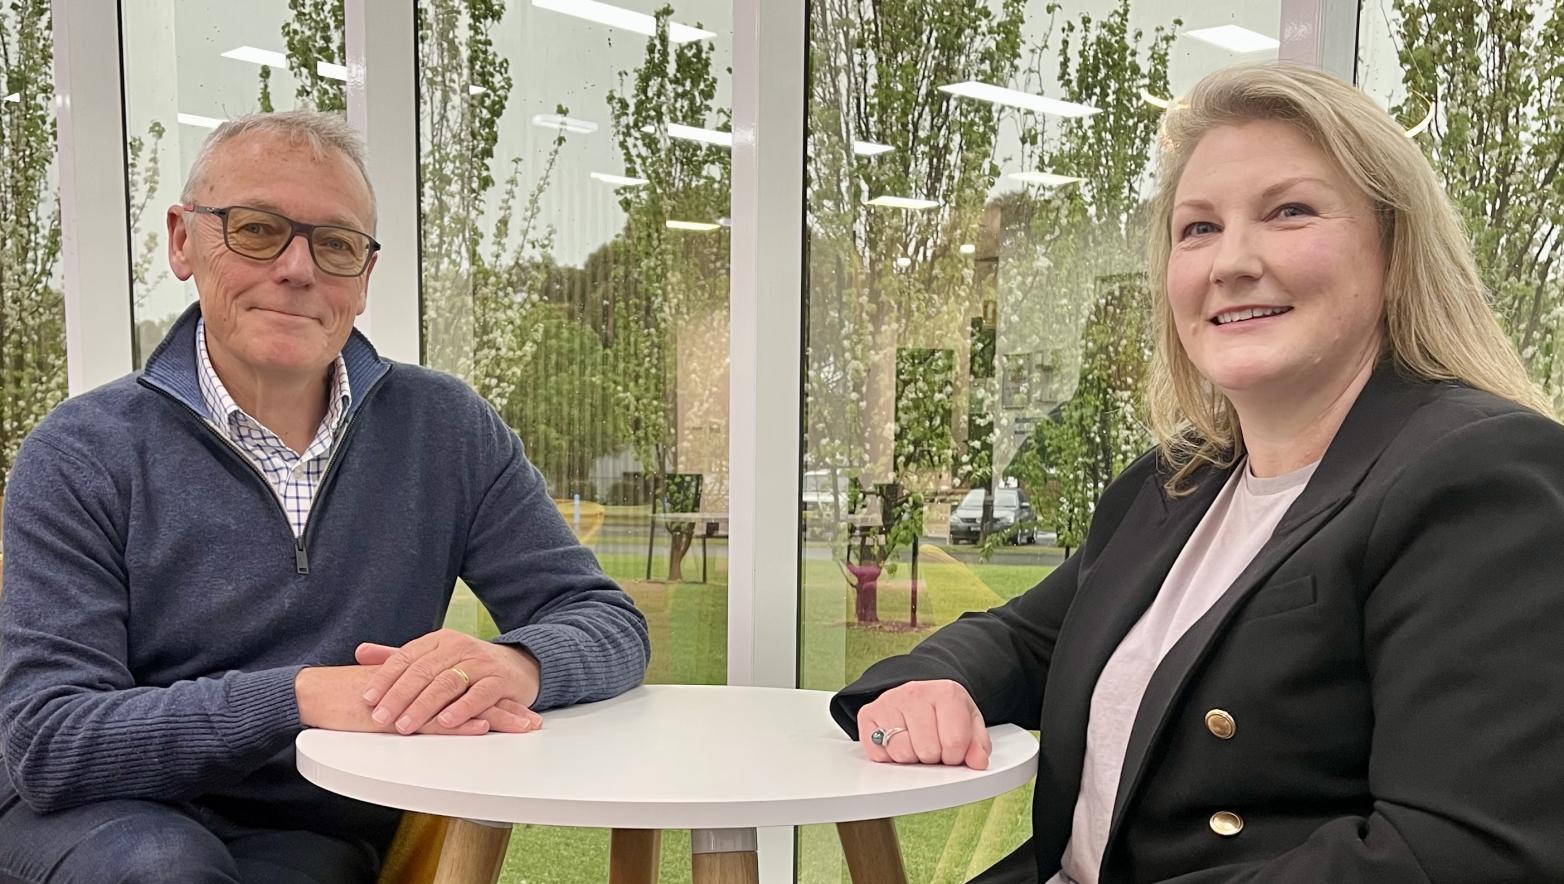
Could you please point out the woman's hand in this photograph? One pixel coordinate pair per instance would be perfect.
(925, 722)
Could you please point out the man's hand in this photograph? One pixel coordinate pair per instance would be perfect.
(449, 678)
(331, 697)
(928, 722)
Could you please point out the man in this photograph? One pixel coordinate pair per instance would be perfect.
(261, 532)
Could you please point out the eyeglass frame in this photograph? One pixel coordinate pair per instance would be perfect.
(298, 228)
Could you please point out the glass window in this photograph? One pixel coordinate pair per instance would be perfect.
(1476, 85)
(575, 176)
(977, 315)
(32, 310)
(189, 67)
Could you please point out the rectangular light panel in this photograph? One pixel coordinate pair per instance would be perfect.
(1024, 100)
(619, 17)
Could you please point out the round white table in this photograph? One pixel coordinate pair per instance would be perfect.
(718, 760)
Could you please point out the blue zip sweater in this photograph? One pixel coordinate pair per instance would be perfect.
(156, 607)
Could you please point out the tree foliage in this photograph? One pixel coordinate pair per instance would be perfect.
(882, 278)
(32, 311)
(1491, 70)
(494, 298)
(666, 275)
(1074, 257)
(313, 35)
(1099, 430)
(663, 274)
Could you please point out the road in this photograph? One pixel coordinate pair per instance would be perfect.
(623, 539)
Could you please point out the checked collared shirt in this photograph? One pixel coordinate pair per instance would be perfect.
(295, 478)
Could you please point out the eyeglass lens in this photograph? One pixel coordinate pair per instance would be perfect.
(257, 234)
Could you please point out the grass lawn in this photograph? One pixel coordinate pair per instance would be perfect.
(688, 625)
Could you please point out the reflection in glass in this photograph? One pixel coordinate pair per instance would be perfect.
(574, 164)
(976, 316)
(1476, 84)
(32, 310)
(188, 68)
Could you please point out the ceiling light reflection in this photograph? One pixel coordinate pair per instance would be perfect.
(1014, 98)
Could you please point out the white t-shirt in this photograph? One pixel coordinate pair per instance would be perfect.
(1231, 533)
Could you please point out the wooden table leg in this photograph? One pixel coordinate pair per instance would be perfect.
(723, 856)
(873, 856)
(473, 852)
(633, 856)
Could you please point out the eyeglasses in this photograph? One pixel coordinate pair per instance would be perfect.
(263, 235)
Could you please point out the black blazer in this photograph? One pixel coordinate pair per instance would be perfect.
(1391, 660)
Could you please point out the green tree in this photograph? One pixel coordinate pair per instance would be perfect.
(1491, 70)
(667, 274)
(567, 415)
(313, 36)
(142, 179)
(1100, 429)
(498, 310)
(486, 315)
(1073, 258)
(464, 89)
(32, 310)
(887, 278)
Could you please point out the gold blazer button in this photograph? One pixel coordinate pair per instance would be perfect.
(1226, 823)
(1220, 724)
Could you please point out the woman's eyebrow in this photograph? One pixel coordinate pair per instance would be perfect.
(1205, 205)
(1289, 183)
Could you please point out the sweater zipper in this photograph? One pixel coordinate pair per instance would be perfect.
(301, 557)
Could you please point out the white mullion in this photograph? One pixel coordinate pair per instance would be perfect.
(383, 105)
(765, 360)
(94, 208)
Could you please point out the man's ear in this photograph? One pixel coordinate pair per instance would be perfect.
(179, 243)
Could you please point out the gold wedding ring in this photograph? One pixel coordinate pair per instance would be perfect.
(462, 675)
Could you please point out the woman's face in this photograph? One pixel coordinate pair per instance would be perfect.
(1276, 276)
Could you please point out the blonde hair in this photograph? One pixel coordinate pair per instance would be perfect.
(1437, 325)
(322, 132)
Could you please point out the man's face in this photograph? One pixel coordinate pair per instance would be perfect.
(284, 317)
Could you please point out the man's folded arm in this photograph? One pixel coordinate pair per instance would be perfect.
(74, 727)
(546, 591)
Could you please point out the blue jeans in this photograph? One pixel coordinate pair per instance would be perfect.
(131, 842)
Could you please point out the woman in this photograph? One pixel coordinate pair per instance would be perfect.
(1313, 636)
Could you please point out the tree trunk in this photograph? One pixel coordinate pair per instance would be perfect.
(866, 608)
(678, 545)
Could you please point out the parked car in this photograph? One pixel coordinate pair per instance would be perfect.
(823, 505)
(1011, 507)
(818, 493)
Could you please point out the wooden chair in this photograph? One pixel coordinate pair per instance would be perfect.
(477, 852)
(432, 849)
(415, 852)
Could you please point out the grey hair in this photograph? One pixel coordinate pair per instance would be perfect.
(323, 132)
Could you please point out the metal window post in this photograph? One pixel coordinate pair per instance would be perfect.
(382, 95)
(766, 359)
(94, 206)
